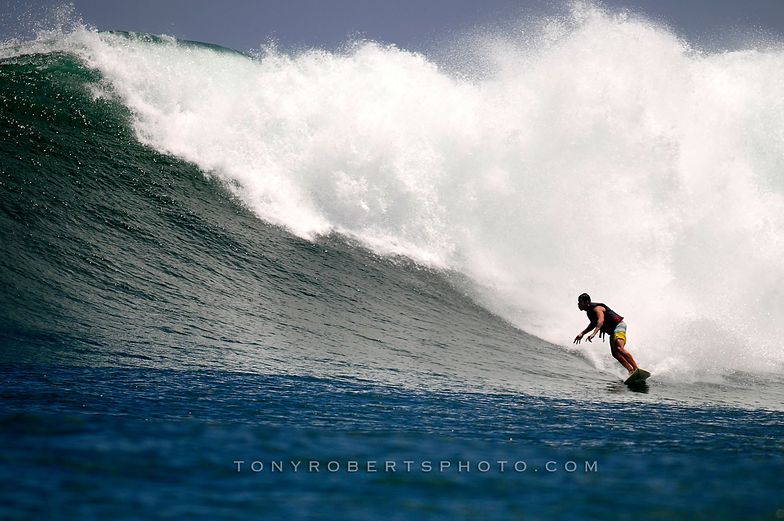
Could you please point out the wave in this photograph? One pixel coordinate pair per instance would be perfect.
(597, 152)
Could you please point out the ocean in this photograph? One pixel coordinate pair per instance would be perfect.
(342, 284)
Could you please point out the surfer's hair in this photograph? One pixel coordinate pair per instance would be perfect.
(585, 297)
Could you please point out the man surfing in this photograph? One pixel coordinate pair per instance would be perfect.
(608, 322)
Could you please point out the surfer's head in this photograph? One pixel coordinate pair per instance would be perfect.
(583, 301)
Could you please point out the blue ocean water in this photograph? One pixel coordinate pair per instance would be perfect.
(129, 443)
(243, 286)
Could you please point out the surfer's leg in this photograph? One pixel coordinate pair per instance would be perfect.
(622, 359)
(617, 343)
(630, 364)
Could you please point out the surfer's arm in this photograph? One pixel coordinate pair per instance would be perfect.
(599, 322)
(583, 332)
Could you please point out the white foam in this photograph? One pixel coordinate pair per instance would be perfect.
(598, 154)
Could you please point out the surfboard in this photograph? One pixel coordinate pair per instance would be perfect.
(638, 376)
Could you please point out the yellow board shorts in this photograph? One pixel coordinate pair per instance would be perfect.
(620, 332)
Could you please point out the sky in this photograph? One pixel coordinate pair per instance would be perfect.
(410, 24)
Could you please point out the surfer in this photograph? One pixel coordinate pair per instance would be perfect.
(605, 320)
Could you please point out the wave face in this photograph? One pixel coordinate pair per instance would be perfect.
(598, 153)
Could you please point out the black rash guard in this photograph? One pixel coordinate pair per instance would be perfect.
(611, 318)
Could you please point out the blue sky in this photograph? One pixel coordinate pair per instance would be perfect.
(412, 24)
